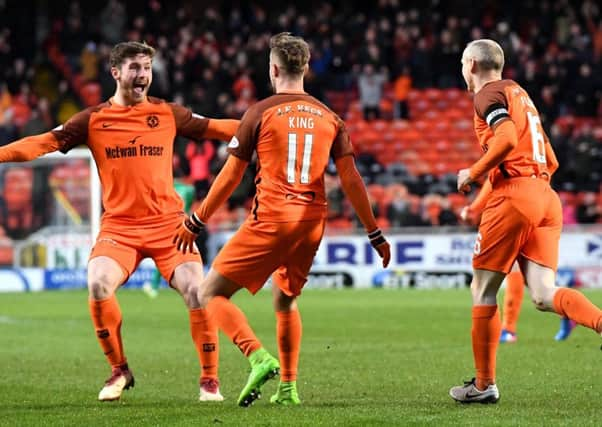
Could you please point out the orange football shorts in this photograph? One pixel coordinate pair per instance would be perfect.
(129, 242)
(522, 218)
(259, 249)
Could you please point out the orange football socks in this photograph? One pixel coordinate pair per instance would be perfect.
(204, 335)
(513, 299)
(574, 305)
(233, 322)
(288, 335)
(486, 329)
(106, 316)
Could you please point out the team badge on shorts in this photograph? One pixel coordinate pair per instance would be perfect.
(152, 121)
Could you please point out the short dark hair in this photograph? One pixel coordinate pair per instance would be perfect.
(292, 51)
(124, 50)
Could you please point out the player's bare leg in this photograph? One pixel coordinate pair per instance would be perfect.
(214, 296)
(288, 337)
(565, 301)
(486, 327)
(186, 279)
(105, 275)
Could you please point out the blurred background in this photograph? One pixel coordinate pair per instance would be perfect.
(390, 69)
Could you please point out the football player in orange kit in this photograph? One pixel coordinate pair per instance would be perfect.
(515, 282)
(294, 136)
(131, 139)
(522, 218)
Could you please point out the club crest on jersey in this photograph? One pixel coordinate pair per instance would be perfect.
(152, 121)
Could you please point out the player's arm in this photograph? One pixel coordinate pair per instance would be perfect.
(29, 148)
(355, 190)
(504, 140)
(491, 105)
(197, 127)
(222, 129)
(241, 149)
(478, 204)
(225, 183)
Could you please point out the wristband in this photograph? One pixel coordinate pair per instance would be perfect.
(194, 224)
(376, 238)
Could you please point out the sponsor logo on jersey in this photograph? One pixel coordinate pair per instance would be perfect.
(133, 140)
(117, 152)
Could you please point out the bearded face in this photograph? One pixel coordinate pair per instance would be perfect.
(134, 78)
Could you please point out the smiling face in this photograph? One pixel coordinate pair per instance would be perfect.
(134, 77)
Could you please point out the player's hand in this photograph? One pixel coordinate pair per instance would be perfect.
(464, 181)
(186, 234)
(378, 242)
(465, 213)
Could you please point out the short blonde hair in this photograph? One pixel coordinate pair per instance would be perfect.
(488, 54)
(292, 52)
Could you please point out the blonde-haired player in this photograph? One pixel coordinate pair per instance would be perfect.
(294, 136)
(522, 218)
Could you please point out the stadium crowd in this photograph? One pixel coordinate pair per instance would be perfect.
(369, 61)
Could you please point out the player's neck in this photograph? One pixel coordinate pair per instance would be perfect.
(483, 80)
(125, 101)
(289, 86)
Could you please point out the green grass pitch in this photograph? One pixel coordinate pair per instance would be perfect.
(369, 357)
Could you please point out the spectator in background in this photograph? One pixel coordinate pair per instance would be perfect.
(6, 115)
(370, 84)
(199, 157)
(401, 90)
(585, 86)
(113, 18)
(35, 125)
(398, 208)
(89, 62)
(588, 211)
(587, 156)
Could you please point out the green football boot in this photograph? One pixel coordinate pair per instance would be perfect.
(286, 394)
(264, 366)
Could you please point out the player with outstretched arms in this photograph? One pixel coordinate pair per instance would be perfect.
(294, 136)
(131, 139)
(522, 218)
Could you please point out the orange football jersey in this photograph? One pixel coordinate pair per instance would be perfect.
(502, 100)
(294, 136)
(133, 150)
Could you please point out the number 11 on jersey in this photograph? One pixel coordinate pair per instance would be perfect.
(291, 164)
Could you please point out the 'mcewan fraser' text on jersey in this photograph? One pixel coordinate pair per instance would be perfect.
(133, 150)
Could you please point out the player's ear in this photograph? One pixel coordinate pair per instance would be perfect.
(115, 73)
(275, 69)
(473, 66)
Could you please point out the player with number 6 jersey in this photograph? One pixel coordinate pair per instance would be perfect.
(522, 217)
(294, 136)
